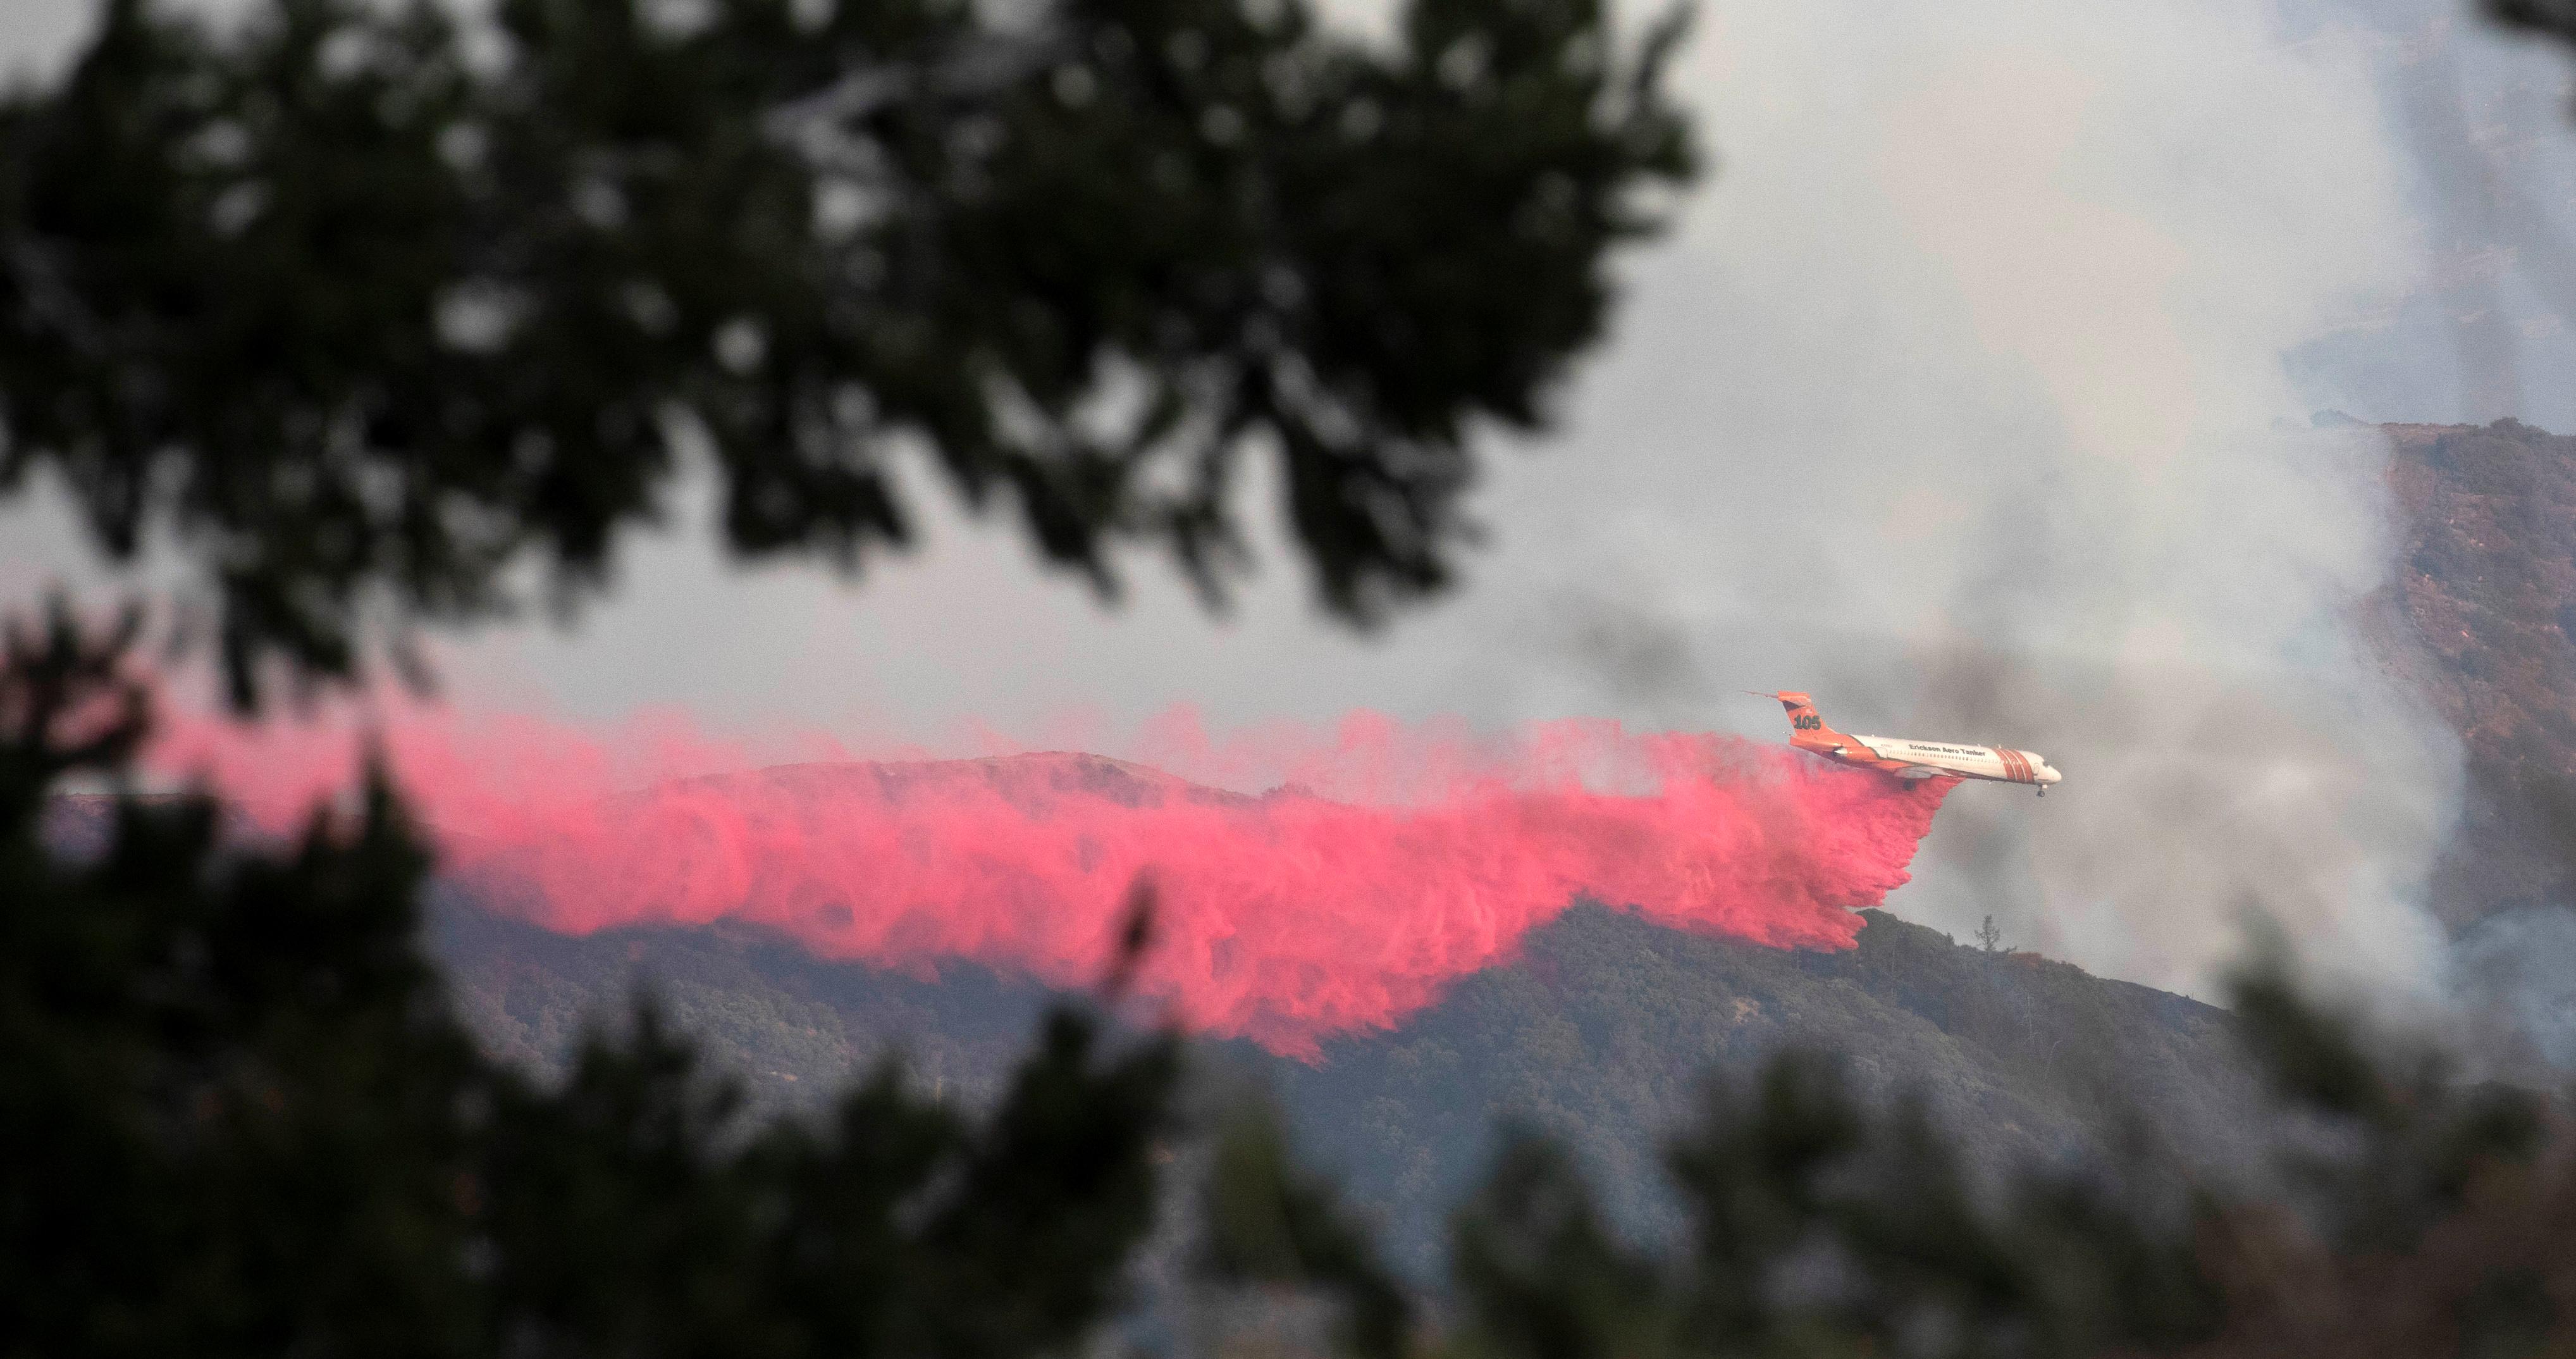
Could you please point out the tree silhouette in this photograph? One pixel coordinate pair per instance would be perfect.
(243, 1120)
(360, 306)
(2553, 18)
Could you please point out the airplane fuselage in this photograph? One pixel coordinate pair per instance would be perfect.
(1910, 759)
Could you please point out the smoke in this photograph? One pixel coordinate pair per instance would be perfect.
(1952, 402)
(1973, 419)
(2515, 973)
(1394, 861)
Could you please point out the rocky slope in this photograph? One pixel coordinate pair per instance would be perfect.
(2481, 619)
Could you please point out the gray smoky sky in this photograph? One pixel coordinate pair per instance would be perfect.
(1973, 394)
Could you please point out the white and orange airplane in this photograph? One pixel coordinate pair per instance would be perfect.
(1910, 759)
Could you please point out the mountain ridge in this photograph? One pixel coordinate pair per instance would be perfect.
(1605, 1030)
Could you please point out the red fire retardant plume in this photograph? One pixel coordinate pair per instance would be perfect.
(1285, 917)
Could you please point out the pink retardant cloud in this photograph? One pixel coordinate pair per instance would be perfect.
(1386, 861)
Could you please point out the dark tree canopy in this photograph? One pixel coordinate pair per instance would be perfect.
(358, 306)
(242, 1119)
(2556, 18)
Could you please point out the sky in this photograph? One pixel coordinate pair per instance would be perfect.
(1973, 393)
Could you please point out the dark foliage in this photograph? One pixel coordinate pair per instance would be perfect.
(359, 307)
(2554, 18)
(241, 1118)
(1266, 1221)
(1819, 1227)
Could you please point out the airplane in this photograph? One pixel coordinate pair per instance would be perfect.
(1910, 759)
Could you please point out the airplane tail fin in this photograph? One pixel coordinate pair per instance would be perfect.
(1807, 726)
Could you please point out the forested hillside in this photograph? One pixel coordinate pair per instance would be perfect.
(1605, 1031)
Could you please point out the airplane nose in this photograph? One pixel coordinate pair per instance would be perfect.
(2048, 774)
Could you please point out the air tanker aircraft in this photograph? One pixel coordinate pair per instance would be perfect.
(1910, 759)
